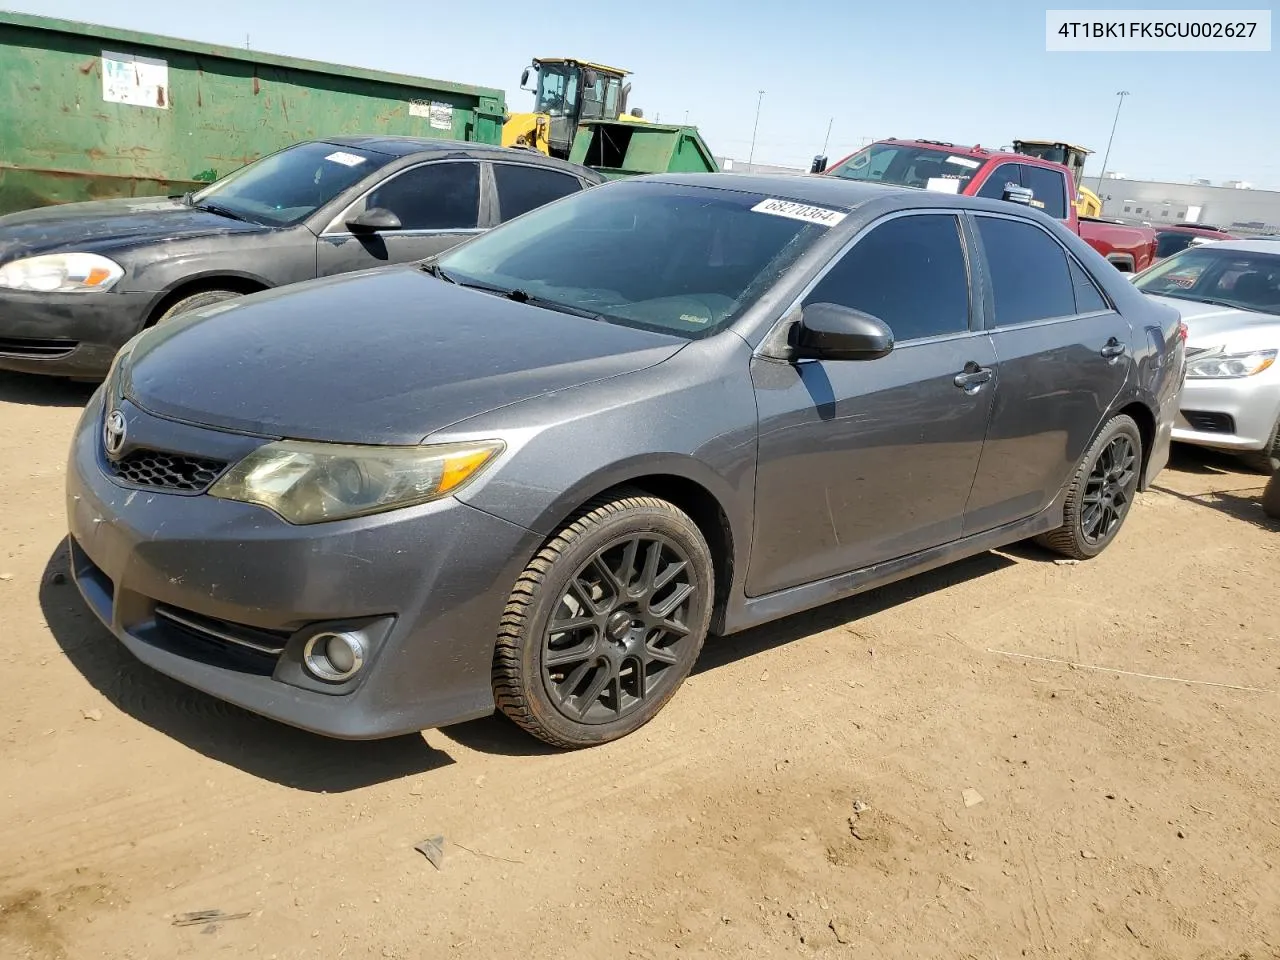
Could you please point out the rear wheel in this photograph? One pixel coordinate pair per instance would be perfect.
(205, 298)
(605, 623)
(1101, 492)
(1266, 460)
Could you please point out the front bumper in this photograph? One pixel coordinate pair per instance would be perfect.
(1230, 414)
(67, 334)
(431, 582)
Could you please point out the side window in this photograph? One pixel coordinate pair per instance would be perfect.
(1029, 275)
(910, 272)
(435, 196)
(522, 188)
(1089, 298)
(993, 187)
(612, 91)
(1050, 189)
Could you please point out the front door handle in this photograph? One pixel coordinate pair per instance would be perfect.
(973, 377)
(1112, 349)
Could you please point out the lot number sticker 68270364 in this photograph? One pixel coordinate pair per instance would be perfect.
(799, 211)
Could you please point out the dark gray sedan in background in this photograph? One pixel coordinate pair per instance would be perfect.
(78, 280)
(554, 458)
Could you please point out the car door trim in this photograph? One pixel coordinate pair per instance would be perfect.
(771, 345)
(339, 221)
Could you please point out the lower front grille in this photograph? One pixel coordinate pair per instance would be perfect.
(1210, 422)
(166, 471)
(257, 650)
(33, 348)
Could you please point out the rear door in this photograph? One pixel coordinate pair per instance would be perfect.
(1064, 354)
(438, 204)
(521, 187)
(860, 462)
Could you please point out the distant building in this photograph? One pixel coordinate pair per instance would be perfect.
(1236, 206)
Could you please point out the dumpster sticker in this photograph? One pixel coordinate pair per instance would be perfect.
(439, 115)
(346, 159)
(138, 81)
(799, 211)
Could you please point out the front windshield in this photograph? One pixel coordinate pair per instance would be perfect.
(908, 166)
(1209, 274)
(665, 257)
(290, 185)
(557, 89)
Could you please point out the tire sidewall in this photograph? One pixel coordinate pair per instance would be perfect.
(206, 298)
(601, 535)
(1114, 428)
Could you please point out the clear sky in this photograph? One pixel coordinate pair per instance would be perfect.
(962, 72)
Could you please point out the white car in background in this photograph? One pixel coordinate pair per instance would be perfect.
(1228, 293)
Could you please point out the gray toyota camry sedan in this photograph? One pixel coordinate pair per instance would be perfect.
(536, 471)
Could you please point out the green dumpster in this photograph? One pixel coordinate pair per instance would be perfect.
(623, 148)
(92, 112)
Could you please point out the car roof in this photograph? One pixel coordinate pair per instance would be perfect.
(1247, 246)
(818, 190)
(415, 146)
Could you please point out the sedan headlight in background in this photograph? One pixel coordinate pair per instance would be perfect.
(61, 273)
(1215, 365)
(312, 482)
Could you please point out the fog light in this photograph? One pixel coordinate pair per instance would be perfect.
(334, 656)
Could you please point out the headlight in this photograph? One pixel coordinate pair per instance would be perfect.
(313, 482)
(61, 273)
(1229, 366)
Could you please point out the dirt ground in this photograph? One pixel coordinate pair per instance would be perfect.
(1013, 803)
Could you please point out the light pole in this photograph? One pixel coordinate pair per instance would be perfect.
(752, 155)
(1107, 156)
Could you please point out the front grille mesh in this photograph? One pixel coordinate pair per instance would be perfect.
(166, 471)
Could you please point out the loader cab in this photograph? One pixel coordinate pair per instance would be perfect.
(1070, 156)
(570, 91)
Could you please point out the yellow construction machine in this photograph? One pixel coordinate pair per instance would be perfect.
(1088, 204)
(566, 92)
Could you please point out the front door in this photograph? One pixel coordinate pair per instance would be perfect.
(865, 461)
(437, 203)
(1064, 355)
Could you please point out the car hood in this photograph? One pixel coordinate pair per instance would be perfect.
(382, 356)
(1211, 325)
(99, 225)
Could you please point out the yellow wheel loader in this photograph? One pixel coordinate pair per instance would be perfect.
(566, 92)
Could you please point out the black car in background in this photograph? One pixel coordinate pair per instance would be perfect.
(78, 280)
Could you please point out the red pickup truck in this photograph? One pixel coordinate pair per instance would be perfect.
(977, 172)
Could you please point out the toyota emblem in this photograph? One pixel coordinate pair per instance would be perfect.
(113, 432)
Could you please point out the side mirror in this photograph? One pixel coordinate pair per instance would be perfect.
(830, 332)
(589, 79)
(373, 220)
(1016, 194)
(524, 78)
(819, 165)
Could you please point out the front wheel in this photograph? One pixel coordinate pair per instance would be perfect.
(1266, 460)
(605, 623)
(1101, 492)
(1271, 497)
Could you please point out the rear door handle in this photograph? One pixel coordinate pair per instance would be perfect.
(973, 377)
(1113, 348)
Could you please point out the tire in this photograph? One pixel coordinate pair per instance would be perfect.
(620, 656)
(1084, 534)
(1266, 460)
(1271, 497)
(205, 298)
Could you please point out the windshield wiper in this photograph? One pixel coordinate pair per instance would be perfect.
(220, 211)
(434, 270)
(524, 296)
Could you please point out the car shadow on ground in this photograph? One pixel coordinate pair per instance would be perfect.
(228, 734)
(499, 736)
(30, 390)
(1205, 461)
(1243, 503)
